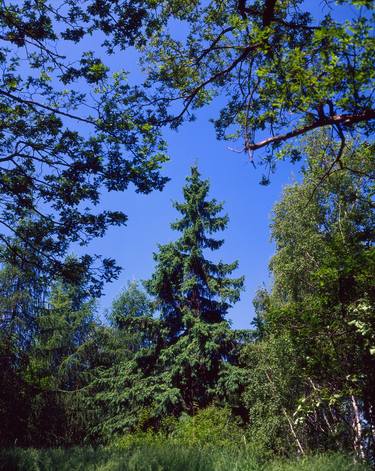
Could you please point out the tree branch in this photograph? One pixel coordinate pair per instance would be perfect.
(219, 74)
(343, 119)
(32, 104)
(268, 12)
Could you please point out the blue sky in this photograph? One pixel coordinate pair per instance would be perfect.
(233, 180)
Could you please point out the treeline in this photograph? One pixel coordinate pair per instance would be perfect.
(166, 362)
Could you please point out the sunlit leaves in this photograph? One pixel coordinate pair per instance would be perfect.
(69, 130)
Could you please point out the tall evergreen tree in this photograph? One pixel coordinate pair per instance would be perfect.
(55, 367)
(191, 346)
(185, 283)
(193, 295)
(22, 295)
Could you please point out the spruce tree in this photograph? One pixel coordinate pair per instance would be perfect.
(193, 295)
(22, 294)
(191, 347)
(186, 284)
(57, 369)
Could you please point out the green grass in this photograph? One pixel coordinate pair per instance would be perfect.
(161, 458)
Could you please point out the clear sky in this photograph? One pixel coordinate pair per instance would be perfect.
(233, 180)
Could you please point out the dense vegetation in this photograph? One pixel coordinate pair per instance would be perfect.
(165, 382)
(161, 458)
(168, 366)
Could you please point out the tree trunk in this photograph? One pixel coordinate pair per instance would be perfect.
(357, 429)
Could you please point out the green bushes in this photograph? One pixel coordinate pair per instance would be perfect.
(209, 441)
(167, 457)
(139, 439)
(210, 427)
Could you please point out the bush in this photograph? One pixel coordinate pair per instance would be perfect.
(212, 426)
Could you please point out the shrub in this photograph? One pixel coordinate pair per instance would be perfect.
(212, 426)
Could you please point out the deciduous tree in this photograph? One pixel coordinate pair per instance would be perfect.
(69, 131)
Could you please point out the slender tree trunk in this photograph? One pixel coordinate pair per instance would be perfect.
(357, 428)
(295, 436)
(326, 420)
(372, 415)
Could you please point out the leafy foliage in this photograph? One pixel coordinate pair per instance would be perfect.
(69, 131)
(281, 71)
(131, 303)
(316, 327)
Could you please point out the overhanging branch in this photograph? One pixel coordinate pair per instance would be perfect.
(340, 119)
(33, 104)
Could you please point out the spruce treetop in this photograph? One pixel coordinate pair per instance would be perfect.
(185, 282)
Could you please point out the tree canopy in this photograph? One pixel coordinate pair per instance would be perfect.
(69, 132)
(278, 68)
(73, 128)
